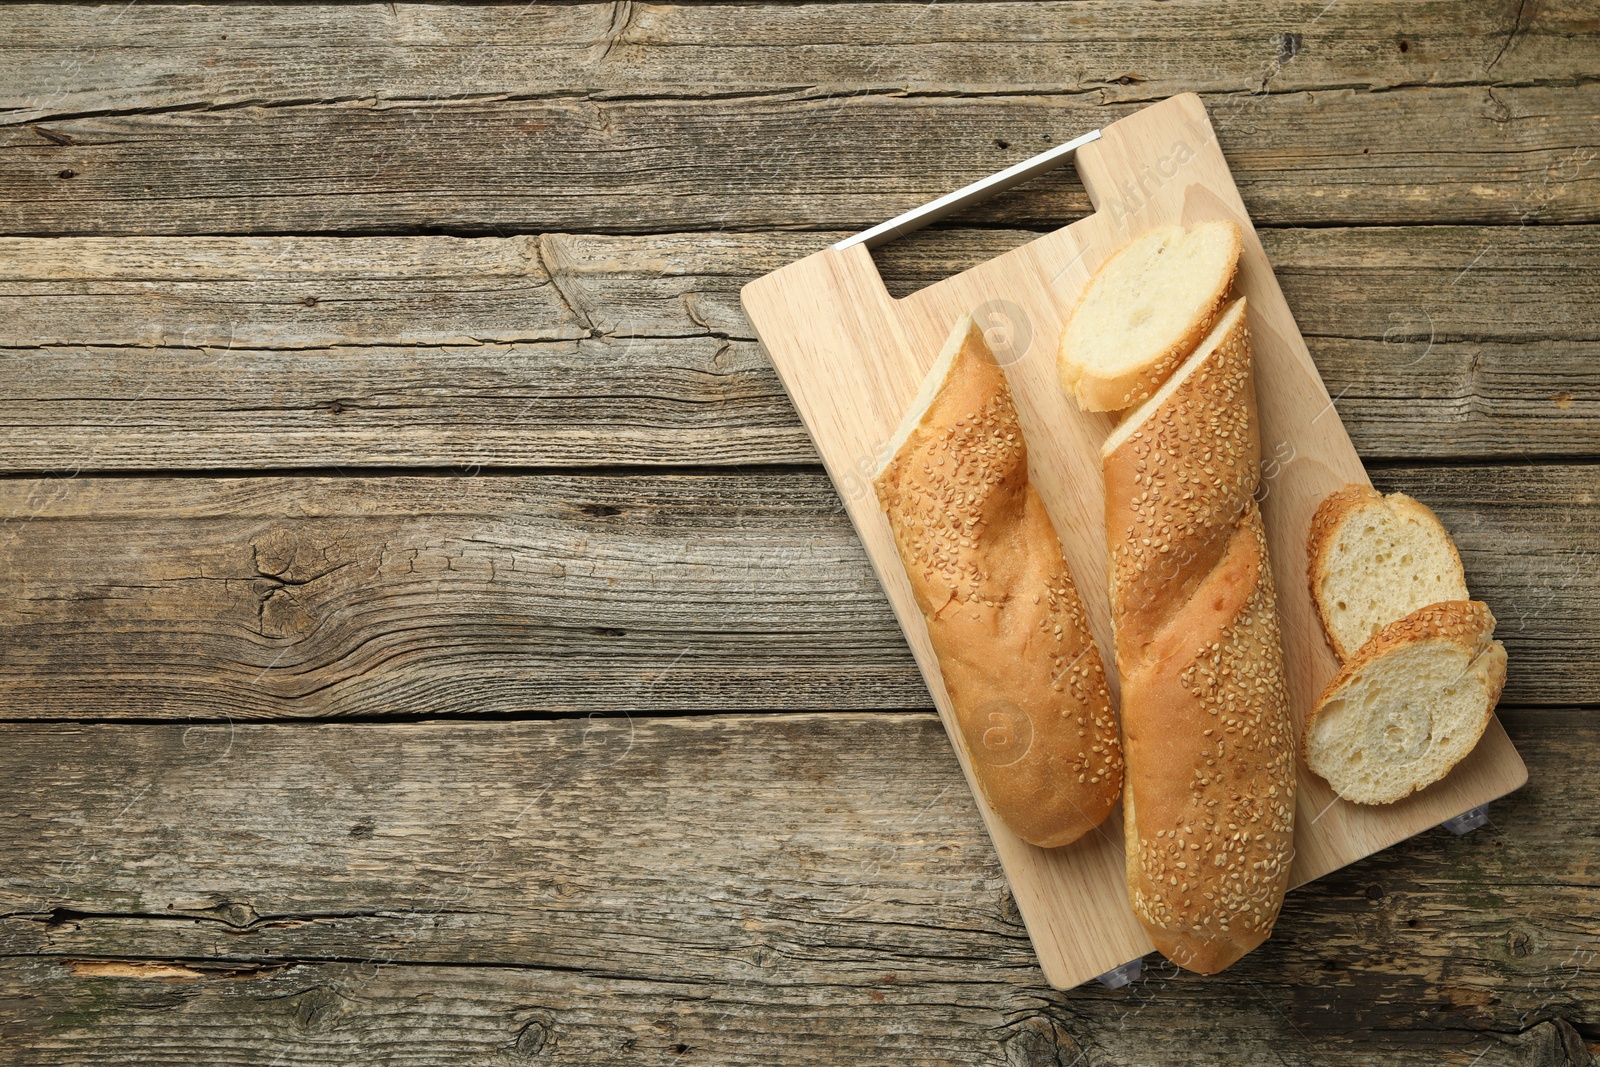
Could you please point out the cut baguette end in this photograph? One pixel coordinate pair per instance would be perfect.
(1144, 310)
(1223, 331)
(961, 334)
(1410, 706)
(1374, 559)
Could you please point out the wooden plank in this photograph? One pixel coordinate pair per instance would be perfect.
(603, 401)
(329, 893)
(1471, 283)
(462, 594)
(333, 1014)
(101, 58)
(214, 598)
(1464, 283)
(1440, 342)
(281, 292)
(804, 160)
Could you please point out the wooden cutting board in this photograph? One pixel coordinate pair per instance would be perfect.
(852, 358)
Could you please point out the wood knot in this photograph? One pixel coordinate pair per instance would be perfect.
(536, 1038)
(233, 912)
(1039, 1041)
(274, 552)
(1552, 1043)
(1010, 914)
(285, 566)
(1496, 110)
(317, 1009)
(282, 615)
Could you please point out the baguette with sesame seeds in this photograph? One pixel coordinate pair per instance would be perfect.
(1025, 680)
(1207, 732)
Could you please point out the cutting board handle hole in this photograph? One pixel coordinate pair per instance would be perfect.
(927, 257)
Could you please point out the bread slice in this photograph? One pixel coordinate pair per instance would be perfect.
(1411, 704)
(1144, 311)
(1374, 559)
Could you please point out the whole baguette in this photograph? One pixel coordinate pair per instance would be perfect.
(1210, 744)
(1024, 677)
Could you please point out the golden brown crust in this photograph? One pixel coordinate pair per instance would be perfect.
(1210, 747)
(1095, 392)
(1024, 677)
(1177, 487)
(1470, 623)
(1210, 751)
(1329, 519)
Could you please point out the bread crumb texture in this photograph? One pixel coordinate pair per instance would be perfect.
(1410, 706)
(1375, 559)
(1144, 310)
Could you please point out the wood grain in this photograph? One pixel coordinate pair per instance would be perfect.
(98, 58)
(1471, 283)
(817, 924)
(807, 159)
(595, 402)
(313, 1013)
(274, 597)
(253, 597)
(582, 349)
(431, 893)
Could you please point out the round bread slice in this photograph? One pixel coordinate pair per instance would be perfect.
(1374, 559)
(1410, 706)
(1144, 311)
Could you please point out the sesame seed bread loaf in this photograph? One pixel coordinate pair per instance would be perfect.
(1144, 310)
(1024, 677)
(1374, 559)
(1207, 733)
(1411, 704)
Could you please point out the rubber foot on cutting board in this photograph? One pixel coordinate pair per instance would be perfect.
(1117, 977)
(1467, 821)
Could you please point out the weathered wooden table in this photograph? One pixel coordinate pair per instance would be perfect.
(427, 637)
